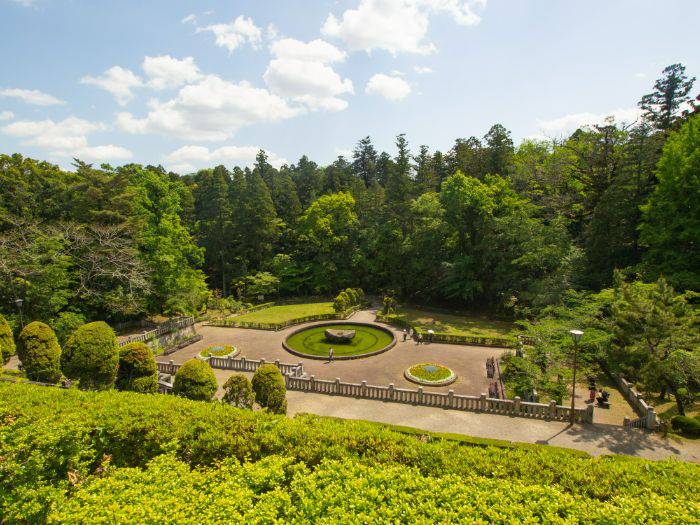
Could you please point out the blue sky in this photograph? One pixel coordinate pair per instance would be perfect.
(192, 84)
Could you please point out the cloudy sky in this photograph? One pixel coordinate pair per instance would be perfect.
(190, 84)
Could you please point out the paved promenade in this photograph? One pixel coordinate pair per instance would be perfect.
(594, 439)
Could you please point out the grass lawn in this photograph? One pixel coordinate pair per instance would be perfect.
(312, 341)
(471, 325)
(280, 314)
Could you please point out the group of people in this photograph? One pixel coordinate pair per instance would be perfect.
(417, 336)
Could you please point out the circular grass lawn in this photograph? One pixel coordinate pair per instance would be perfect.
(430, 374)
(311, 341)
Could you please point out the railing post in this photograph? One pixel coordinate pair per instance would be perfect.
(390, 391)
(363, 390)
(337, 385)
(482, 402)
(313, 383)
(552, 409)
(516, 404)
(651, 418)
(589, 413)
(450, 398)
(420, 394)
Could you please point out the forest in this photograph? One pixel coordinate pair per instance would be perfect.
(488, 225)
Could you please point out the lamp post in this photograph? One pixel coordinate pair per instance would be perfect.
(19, 302)
(576, 336)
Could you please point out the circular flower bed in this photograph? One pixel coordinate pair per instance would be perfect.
(431, 374)
(219, 351)
(312, 341)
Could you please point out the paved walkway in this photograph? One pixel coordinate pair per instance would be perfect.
(594, 439)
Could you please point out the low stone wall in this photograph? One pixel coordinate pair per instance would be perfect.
(450, 400)
(239, 364)
(647, 415)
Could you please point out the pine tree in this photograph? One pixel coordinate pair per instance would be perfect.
(670, 93)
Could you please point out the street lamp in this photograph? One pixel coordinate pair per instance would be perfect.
(19, 302)
(576, 336)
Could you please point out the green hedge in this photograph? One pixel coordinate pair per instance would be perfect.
(687, 425)
(39, 352)
(7, 341)
(233, 323)
(438, 337)
(270, 390)
(84, 457)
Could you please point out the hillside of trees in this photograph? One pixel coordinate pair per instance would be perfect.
(487, 225)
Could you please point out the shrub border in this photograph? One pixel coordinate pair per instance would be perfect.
(442, 382)
(343, 357)
(276, 327)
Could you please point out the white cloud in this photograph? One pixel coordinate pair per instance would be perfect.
(211, 109)
(190, 158)
(189, 19)
(31, 96)
(396, 26)
(317, 50)
(235, 34)
(300, 72)
(344, 152)
(168, 72)
(567, 124)
(6, 115)
(422, 70)
(391, 88)
(67, 138)
(117, 81)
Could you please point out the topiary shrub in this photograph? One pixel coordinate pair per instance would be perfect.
(238, 391)
(40, 353)
(270, 390)
(137, 369)
(91, 356)
(687, 425)
(7, 341)
(195, 380)
(341, 302)
(352, 296)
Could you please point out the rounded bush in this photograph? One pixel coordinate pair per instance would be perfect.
(40, 353)
(7, 341)
(137, 369)
(195, 380)
(269, 388)
(238, 391)
(91, 356)
(687, 425)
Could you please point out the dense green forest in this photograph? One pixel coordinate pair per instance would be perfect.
(487, 225)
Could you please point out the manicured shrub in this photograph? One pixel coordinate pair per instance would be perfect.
(352, 296)
(195, 380)
(687, 425)
(269, 388)
(341, 302)
(91, 356)
(40, 353)
(137, 369)
(7, 341)
(238, 391)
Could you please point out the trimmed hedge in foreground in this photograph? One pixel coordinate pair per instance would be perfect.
(72, 456)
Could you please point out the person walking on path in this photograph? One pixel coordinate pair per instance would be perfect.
(404, 334)
(330, 355)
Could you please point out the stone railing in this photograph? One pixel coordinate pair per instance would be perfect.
(450, 400)
(647, 415)
(239, 364)
(165, 328)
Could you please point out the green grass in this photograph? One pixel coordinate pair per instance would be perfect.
(284, 313)
(469, 325)
(217, 350)
(430, 372)
(312, 341)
